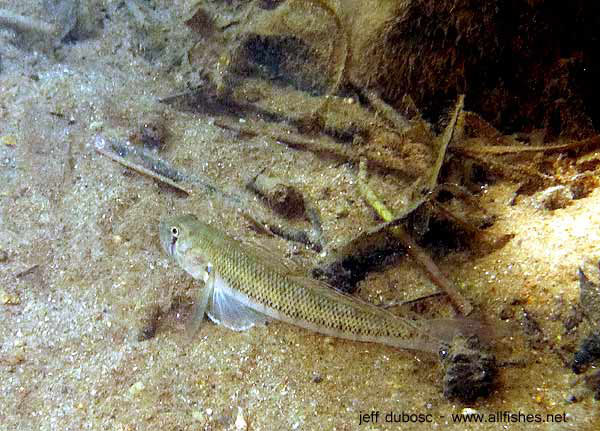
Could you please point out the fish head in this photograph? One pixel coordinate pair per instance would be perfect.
(176, 233)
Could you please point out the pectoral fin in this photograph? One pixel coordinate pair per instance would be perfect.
(224, 309)
(204, 296)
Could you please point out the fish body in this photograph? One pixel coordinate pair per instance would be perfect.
(244, 285)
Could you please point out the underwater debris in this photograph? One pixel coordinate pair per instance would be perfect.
(469, 367)
(281, 196)
(27, 271)
(25, 24)
(240, 422)
(367, 246)
(150, 165)
(476, 146)
(200, 21)
(9, 298)
(149, 323)
(588, 352)
(555, 197)
(297, 235)
(460, 303)
(506, 159)
(100, 146)
(8, 140)
(312, 237)
(68, 19)
(151, 133)
(389, 113)
(589, 299)
(317, 145)
(593, 384)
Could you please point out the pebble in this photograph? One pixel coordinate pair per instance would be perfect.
(8, 299)
(198, 415)
(96, 126)
(554, 198)
(136, 388)
(240, 422)
(9, 141)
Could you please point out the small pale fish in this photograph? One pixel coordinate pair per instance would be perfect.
(245, 285)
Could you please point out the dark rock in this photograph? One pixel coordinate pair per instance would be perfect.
(469, 369)
(589, 351)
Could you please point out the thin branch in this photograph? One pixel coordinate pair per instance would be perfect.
(445, 141)
(470, 147)
(100, 148)
(25, 24)
(296, 140)
(386, 111)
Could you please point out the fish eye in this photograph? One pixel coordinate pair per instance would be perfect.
(174, 231)
(444, 352)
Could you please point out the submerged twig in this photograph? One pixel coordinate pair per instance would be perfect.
(411, 301)
(412, 248)
(296, 140)
(27, 271)
(386, 111)
(514, 172)
(289, 202)
(100, 148)
(343, 64)
(445, 140)
(290, 138)
(468, 148)
(278, 194)
(25, 24)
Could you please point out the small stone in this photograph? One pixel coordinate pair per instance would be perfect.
(469, 369)
(9, 141)
(240, 422)
(16, 359)
(136, 388)
(198, 415)
(152, 132)
(342, 210)
(8, 299)
(96, 126)
(281, 196)
(149, 322)
(554, 198)
(3, 256)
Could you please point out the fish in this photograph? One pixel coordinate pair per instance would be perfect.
(246, 285)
